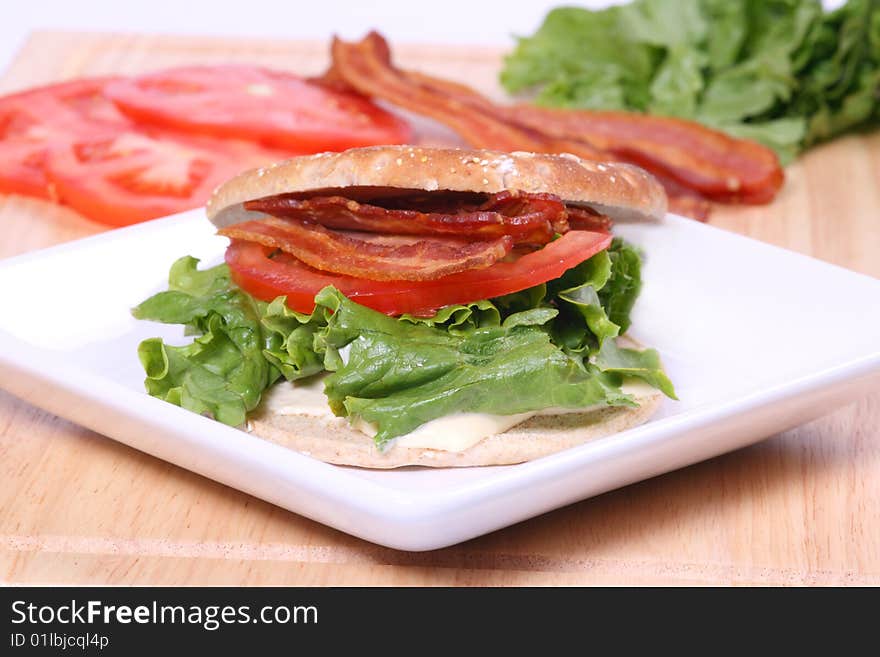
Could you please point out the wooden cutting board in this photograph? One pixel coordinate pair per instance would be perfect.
(800, 508)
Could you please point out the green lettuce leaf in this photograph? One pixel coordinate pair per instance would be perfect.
(292, 346)
(460, 317)
(399, 376)
(619, 294)
(641, 364)
(781, 72)
(223, 372)
(584, 324)
(678, 83)
(547, 346)
(573, 45)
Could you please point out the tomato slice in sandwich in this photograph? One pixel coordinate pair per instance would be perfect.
(247, 102)
(256, 271)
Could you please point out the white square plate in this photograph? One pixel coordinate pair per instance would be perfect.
(756, 339)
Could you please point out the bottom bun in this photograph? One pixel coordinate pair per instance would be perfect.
(333, 440)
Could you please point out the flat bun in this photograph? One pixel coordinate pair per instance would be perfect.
(620, 191)
(334, 441)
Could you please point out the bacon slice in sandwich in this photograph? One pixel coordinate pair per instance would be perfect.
(525, 218)
(372, 256)
(438, 226)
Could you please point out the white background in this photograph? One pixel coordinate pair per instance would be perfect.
(440, 21)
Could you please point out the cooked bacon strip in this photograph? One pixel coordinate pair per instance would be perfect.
(517, 204)
(371, 256)
(690, 206)
(716, 165)
(366, 67)
(708, 163)
(527, 218)
(684, 201)
(580, 218)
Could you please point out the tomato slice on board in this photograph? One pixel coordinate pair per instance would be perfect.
(23, 170)
(124, 177)
(67, 103)
(68, 142)
(266, 278)
(81, 102)
(247, 102)
(35, 121)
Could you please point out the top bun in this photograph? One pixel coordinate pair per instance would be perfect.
(620, 191)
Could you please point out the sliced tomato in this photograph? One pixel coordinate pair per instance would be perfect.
(247, 102)
(121, 178)
(268, 277)
(68, 142)
(79, 103)
(23, 171)
(66, 103)
(35, 121)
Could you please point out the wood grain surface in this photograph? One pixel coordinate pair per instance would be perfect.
(800, 508)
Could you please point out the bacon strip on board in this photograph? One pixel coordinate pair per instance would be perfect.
(707, 161)
(684, 155)
(365, 68)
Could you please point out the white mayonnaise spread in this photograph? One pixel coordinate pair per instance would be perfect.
(453, 433)
(298, 398)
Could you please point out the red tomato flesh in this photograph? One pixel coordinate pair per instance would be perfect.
(36, 121)
(124, 177)
(246, 102)
(266, 278)
(69, 142)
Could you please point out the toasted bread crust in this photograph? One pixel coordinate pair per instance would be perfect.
(621, 191)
